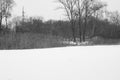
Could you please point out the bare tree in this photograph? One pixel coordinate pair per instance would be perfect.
(5, 8)
(86, 5)
(114, 17)
(97, 10)
(79, 12)
(1, 13)
(83, 12)
(90, 8)
(69, 7)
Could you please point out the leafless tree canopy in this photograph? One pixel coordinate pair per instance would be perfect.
(5, 8)
(81, 10)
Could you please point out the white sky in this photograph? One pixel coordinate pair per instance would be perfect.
(47, 8)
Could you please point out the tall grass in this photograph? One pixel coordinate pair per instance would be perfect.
(29, 41)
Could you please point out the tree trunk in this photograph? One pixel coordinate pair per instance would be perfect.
(94, 22)
(79, 22)
(6, 22)
(73, 30)
(80, 30)
(86, 17)
(0, 23)
(84, 30)
(94, 30)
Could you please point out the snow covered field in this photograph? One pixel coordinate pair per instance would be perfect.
(72, 63)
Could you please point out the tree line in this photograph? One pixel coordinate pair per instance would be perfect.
(85, 19)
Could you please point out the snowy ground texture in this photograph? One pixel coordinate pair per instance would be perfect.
(72, 63)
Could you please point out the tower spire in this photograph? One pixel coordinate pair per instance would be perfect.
(23, 14)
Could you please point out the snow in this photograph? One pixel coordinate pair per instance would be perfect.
(76, 43)
(71, 63)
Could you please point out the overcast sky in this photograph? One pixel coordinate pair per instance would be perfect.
(47, 8)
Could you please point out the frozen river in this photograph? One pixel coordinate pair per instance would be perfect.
(78, 63)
